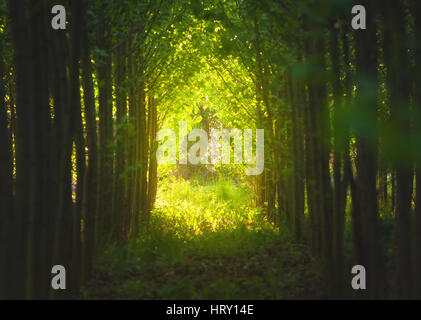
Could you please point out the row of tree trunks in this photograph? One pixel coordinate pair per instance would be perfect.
(41, 224)
(360, 116)
(54, 213)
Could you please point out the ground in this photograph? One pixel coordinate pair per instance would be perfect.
(206, 240)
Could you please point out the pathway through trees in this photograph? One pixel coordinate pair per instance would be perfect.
(206, 240)
(81, 108)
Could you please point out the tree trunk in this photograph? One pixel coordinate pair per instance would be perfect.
(6, 195)
(75, 101)
(153, 146)
(106, 133)
(365, 211)
(24, 110)
(120, 207)
(90, 205)
(398, 86)
(417, 103)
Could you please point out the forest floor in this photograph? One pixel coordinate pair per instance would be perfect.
(207, 241)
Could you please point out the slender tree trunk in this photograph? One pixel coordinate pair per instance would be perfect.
(298, 153)
(314, 214)
(90, 205)
(75, 45)
(24, 112)
(120, 207)
(143, 150)
(64, 124)
(398, 85)
(417, 102)
(320, 134)
(341, 158)
(153, 146)
(365, 210)
(6, 185)
(105, 130)
(338, 163)
(133, 145)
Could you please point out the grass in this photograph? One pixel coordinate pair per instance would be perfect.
(207, 241)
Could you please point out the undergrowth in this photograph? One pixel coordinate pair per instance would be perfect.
(206, 241)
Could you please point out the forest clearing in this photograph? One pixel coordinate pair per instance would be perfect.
(210, 149)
